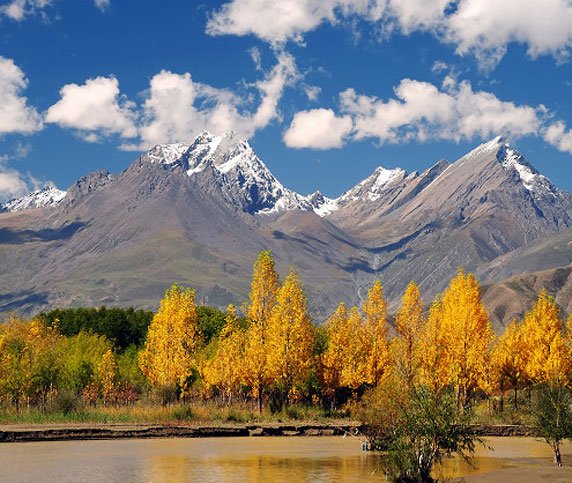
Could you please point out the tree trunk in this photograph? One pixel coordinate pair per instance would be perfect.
(515, 396)
(557, 454)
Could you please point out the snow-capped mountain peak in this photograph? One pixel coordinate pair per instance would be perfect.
(48, 196)
(323, 205)
(248, 182)
(372, 187)
(242, 177)
(381, 179)
(533, 181)
(512, 160)
(167, 153)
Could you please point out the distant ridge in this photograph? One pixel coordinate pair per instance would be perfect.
(198, 214)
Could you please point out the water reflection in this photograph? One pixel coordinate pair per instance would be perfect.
(262, 459)
(303, 459)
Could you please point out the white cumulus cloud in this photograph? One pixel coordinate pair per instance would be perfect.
(15, 114)
(12, 184)
(486, 27)
(281, 20)
(318, 129)
(412, 15)
(19, 10)
(483, 28)
(178, 108)
(558, 136)
(421, 110)
(94, 109)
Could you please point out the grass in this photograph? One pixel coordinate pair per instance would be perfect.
(486, 413)
(210, 413)
(196, 413)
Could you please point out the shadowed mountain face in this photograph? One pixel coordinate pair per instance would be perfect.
(199, 214)
(525, 272)
(510, 299)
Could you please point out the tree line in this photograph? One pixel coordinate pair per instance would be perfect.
(274, 355)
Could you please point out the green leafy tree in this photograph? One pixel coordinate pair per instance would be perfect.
(81, 355)
(122, 326)
(552, 416)
(211, 322)
(417, 426)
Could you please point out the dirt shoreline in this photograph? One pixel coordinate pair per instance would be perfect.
(70, 432)
(29, 433)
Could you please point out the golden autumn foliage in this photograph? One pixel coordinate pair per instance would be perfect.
(333, 357)
(510, 356)
(357, 354)
(264, 289)
(358, 348)
(106, 375)
(223, 371)
(465, 323)
(276, 351)
(549, 353)
(168, 358)
(263, 293)
(30, 359)
(434, 365)
(347, 358)
(409, 322)
(375, 315)
(290, 340)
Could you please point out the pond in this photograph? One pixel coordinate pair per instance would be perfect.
(297, 459)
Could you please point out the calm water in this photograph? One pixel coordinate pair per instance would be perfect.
(321, 459)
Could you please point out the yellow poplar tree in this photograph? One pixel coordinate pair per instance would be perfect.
(409, 322)
(549, 359)
(168, 358)
(357, 352)
(264, 288)
(290, 337)
(106, 374)
(434, 364)
(375, 314)
(510, 358)
(30, 359)
(466, 323)
(333, 357)
(263, 292)
(223, 371)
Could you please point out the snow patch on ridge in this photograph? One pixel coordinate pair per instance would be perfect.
(533, 181)
(510, 159)
(373, 186)
(48, 196)
(167, 153)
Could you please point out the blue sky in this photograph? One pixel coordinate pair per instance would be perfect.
(326, 90)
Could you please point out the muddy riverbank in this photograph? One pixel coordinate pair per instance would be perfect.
(70, 432)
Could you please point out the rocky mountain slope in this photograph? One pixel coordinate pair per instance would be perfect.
(511, 298)
(522, 274)
(199, 213)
